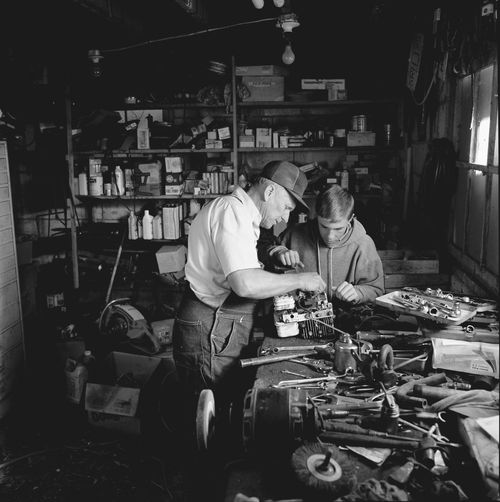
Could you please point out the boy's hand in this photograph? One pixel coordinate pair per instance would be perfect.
(290, 258)
(346, 292)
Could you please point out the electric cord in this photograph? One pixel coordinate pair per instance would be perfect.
(185, 35)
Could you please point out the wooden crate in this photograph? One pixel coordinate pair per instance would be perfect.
(409, 262)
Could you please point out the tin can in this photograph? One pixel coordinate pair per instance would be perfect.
(95, 184)
(362, 123)
(387, 134)
(354, 123)
(331, 140)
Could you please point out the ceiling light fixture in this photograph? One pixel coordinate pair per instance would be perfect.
(95, 57)
(287, 22)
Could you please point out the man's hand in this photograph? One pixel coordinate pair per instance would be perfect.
(346, 292)
(311, 281)
(290, 258)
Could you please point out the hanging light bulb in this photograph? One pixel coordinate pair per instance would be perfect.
(258, 4)
(288, 56)
(279, 3)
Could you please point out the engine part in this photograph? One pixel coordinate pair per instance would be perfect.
(276, 418)
(343, 358)
(402, 397)
(123, 321)
(310, 315)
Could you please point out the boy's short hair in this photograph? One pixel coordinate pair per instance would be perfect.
(335, 204)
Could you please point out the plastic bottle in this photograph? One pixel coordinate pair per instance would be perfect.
(157, 227)
(147, 226)
(132, 226)
(89, 361)
(344, 179)
(120, 180)
(139, 228)
(76, 378)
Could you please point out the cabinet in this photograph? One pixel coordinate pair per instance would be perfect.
(11, 326)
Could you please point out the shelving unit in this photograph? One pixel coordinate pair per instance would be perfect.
(272, 113)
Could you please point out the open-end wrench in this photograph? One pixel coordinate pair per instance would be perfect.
(275, 350)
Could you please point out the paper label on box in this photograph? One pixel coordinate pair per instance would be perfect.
(112, 399)
(173, 164)
(224, 133)
(468, 357)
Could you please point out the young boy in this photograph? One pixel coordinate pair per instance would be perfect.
(336, 246)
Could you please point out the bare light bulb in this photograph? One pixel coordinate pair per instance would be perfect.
(288, 57)
(279, 3)
(258, 4)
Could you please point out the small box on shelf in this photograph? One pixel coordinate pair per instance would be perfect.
(357, 138)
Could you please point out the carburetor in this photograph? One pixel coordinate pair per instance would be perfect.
(308, 314)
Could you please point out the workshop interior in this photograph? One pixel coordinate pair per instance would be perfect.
(123, 123)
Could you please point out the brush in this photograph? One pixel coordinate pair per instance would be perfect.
(324, 469)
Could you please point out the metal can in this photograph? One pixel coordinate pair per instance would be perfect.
(362, 123)
(331, 140)
(354, 123)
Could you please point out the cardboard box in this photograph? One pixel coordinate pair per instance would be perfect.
(264, 88)
(355, 138)
(153, 181)
(263, 137)
(127, 408)
(174, 189)
(322, 83)
(247, 142)
(173, 164)
(171, 258)
(262, 70)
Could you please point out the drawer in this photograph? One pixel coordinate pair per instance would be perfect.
(9, 315)
(6, 235)
(6, 250)
(8, 275)
(7, 263)
(11, 369)
(5, 222)
(8, 295)
(4, 193)
(10, 337)
(4, 208)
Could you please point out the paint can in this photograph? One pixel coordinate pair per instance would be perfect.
(95, 184)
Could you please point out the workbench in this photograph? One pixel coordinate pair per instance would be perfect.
(255, 476)
(251, 476)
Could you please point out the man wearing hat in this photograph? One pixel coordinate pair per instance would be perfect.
(216, 315)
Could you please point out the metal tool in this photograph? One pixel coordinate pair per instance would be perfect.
(274, 358)
(318, 365)
(327, 378)
(284, 348)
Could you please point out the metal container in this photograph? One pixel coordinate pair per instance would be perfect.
(343, 358)
(362, 123)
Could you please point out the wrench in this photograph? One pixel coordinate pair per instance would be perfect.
(275, 350)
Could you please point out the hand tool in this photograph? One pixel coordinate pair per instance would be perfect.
(284, 348)
(274, 358)
(287, 372)
(319, 365)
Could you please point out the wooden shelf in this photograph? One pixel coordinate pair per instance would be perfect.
(321, 149)
(159, 151)
(308, 104)
(162, 106)
(89, 198)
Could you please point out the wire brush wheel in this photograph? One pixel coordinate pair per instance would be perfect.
(324, 469)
